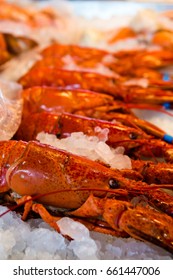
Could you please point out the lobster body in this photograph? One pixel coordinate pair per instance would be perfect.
(66, 171)
(57, 178)
(30, 173)
(85, 103)
(135, 141)
(79, 67)
(63, 124)
(62, 78)
(52, 99)
(122, 65)
(57, 77)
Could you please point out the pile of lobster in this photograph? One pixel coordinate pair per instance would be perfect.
(65, 92)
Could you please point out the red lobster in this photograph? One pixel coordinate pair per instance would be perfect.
(88, 190)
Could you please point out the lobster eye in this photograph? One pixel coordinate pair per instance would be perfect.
(113, 184)
(133, 136)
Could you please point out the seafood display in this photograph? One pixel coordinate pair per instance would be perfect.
(77, 88)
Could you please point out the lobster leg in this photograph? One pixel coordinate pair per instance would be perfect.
(121, 218)
(93, 225)
(141, 223)
(37, 208)
(28, 205)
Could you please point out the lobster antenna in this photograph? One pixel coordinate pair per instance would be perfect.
(117, 191)
(157, 108)
(33, 198)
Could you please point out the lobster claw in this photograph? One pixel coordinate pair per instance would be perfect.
(149, 225)
(142, 223)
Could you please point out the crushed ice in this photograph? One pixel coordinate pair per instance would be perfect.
(36, 240)
(81, 238)
(93, 147)
(10, 108)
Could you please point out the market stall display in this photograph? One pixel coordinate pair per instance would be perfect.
(86, 85)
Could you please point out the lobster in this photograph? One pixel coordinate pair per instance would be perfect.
(157, 93)
(57, 77)
(51, 99)
(86, 62)
(148, 58)
(79, 53)
(63, 124)
(86, 103)
(136, 142)
(140, 63)
(47, 175)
